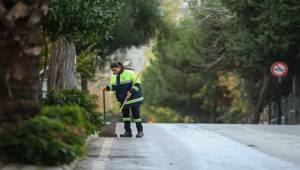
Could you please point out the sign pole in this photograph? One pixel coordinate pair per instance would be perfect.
(278, 101)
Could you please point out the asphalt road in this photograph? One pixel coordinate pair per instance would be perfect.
(198, 147)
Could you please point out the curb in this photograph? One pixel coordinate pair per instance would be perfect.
(29, 167)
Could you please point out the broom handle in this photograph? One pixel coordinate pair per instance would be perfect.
(104, 107)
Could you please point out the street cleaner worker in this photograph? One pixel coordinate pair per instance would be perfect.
(125, 83)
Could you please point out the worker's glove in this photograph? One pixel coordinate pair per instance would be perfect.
(134, 89)
(129, 94)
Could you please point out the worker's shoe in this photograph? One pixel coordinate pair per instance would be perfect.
(127, 134)
(140, 134)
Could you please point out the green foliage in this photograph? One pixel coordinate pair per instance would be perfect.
(176, 83)
(267, 31)
(55, 137)
(171, 88)
(235, 103)
(219, 42)
(87, 103)
(138, 22)
(70, 115)
(184, 80)
(81, 20)
(87, 63)
(162, 115)
(86, 23)
(234, 116)
(263, 32)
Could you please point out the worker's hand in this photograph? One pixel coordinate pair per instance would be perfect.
(128, 94)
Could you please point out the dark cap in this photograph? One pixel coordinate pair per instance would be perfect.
(116, 64)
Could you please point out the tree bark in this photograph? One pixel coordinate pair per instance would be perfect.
(45, 64)
(20, 47)
(62, 68)
(296, 84)
(84, 82)
(256, 102)
(261, 96)
(213, 118)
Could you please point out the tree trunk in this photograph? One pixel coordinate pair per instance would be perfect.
(20, 47)
(256, 102)
(213, 118)
(84, 82)
(296, 84)
(62, 68)
(45, 64)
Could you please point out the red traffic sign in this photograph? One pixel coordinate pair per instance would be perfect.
(279, 69)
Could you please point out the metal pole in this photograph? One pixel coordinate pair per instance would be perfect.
(279, 101)
(104, 107)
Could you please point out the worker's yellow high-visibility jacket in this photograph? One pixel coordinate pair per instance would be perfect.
(122, 83)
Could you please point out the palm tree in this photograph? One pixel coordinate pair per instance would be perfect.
(20, 47)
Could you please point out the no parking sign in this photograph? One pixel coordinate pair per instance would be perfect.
(279, 69)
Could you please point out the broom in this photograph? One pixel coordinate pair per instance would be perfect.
(109, 130)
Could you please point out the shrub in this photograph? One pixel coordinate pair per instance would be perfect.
(97, 122)
(70, 115)
(87, 103)
(43, 140)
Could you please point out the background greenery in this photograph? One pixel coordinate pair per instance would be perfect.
(213, 63)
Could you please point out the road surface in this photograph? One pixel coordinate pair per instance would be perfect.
(198, 147)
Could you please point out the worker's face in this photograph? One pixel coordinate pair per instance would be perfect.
(116, 70)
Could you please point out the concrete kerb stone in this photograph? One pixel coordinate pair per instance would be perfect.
(30, 167)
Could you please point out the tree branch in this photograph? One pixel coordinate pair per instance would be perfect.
(207, 67)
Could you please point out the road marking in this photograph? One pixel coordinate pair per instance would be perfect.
(105, 151)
